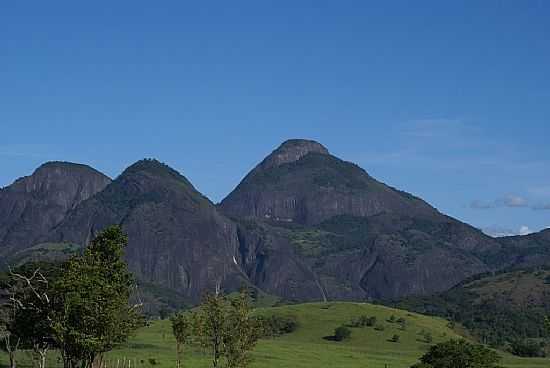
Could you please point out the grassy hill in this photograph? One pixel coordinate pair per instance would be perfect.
(307, 347)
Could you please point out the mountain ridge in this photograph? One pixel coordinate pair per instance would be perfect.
(303, 225)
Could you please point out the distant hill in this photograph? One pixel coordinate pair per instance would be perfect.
(497, 308)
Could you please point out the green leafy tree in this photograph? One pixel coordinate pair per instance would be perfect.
(395, 338)
(243, 331)
(342, 333)
(458, 354)
(182, 330)
(226, 327)
(92, 313)
(210, 325)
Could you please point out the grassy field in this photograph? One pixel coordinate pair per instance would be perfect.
(154, 346)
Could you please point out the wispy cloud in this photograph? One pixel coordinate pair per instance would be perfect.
(499, 231)
(512, 200)
(509, 200)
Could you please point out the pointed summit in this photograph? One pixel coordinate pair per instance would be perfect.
(301, 182)
(292, 150)
(177, 238)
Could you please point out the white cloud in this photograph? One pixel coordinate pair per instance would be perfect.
(499, 231)
(525, 230)
(512, 200)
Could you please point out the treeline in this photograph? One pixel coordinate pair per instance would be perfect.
(80, 308)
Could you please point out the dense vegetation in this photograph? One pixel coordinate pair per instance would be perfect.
(80, 308)
(505, 310)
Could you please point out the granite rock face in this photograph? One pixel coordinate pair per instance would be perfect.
(33, 205)
(300, 182)
(303, 225)
(177, 238)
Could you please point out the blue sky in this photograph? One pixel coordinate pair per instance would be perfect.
(447, 100)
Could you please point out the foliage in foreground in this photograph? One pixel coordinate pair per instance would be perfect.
(222, 325)
(81, 308)
(458, 354)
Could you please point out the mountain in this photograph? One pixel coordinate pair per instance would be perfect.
(33, 205)
(303, 225)
(177, 238)
(301, 182)
(327, 229)
(525, 251)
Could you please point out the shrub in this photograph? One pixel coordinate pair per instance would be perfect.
(371, 322)
(379, 327)
(392, 319)
(395, 338)
(342, 333)
(276, 325)
(458, 353)
(362, 321)
(526, 349)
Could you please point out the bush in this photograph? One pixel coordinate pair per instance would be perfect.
(362, 321)
(342, 333)
(371, 322)
(458, 353)
(526, 349)
(276, 325)
(395, 338)
(379, 327)
(392, 319)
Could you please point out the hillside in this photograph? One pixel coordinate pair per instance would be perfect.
(315, 227)
(308, 347)
(496, 308)
(177, 238)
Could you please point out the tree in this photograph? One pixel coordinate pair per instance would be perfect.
(226, 327)
(395, 338)
(458, 354)
(32, 321)
(210, 325)
(243, 332)
(10, 342)
(182, 329)
(342, 333)
(92, 313)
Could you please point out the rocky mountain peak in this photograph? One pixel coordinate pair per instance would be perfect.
(292, 150)
(34, 204)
